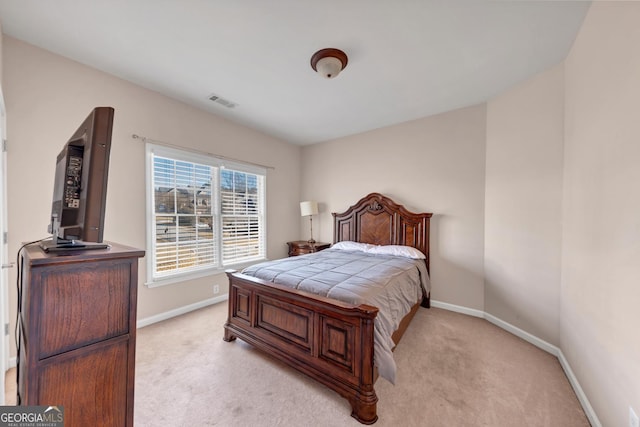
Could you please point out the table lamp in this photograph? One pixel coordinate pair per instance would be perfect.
(309, 208)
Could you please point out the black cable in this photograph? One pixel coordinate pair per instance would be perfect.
(19, 265)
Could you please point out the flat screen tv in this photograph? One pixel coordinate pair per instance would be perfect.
(80, 186)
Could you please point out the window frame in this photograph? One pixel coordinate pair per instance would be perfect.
(186, 155)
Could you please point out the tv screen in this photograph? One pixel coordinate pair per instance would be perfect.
(80, 186)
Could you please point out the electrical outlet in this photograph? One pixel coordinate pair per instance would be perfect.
(634, 421)
(216, 290)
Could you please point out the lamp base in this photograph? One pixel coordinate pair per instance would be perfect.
(311, 241)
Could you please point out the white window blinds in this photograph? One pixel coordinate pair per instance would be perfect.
(242, 203)
(204, 213)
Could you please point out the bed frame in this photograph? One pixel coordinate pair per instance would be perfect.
(328, 340)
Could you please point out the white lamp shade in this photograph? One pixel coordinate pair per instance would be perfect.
(308, 208)
(329, 67)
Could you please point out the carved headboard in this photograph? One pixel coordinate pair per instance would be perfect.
(378, 220)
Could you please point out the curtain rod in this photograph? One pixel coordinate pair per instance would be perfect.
(217, 156)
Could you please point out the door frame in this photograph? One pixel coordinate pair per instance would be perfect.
(4, 261)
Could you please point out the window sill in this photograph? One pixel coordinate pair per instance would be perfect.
(191, 275)
(182, 277)
(245, 264)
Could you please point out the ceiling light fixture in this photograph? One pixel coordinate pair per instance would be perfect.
(329, 62)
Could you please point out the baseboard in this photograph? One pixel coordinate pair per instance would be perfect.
(540, 343)
(457, 308)
(180, 310)
(532, 339)
(582, 398)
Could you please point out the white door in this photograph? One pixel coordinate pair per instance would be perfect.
(4, 337)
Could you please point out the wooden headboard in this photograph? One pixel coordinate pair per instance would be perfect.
(378, 220)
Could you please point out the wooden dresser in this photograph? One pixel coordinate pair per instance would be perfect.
(301, 247)
(77, 319)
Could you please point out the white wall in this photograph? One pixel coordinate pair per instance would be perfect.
(600, 294)
(48, 96)
(435, 164)
(523, 205)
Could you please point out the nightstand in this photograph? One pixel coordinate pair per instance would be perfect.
(301, 247)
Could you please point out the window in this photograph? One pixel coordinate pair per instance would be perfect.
(204, 214)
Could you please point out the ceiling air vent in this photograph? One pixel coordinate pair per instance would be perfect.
(224, 102)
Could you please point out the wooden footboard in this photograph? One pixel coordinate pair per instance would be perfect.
(330, 341)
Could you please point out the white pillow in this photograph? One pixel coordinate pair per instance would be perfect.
(397, 250)
(352, 246)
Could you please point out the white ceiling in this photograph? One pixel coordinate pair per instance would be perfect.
(407, 58)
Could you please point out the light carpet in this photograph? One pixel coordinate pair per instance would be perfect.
(453, 370)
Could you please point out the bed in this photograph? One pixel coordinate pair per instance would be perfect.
(329, 340)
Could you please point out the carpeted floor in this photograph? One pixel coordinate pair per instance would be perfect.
(453, 370)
